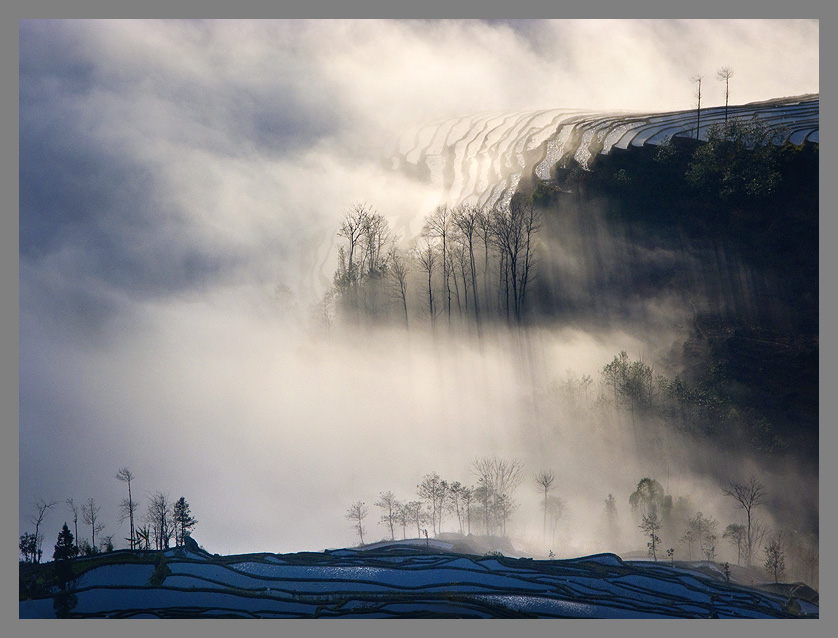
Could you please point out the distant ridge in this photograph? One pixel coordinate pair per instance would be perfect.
(482, 158)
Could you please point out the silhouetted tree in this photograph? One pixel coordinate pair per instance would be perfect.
(416, 515)
(439, 226)
(106, 543)
(128, 506)
(749, 495)
(723, 75)
(434, 491)
(398, 273)
(389, 508)
(143, 537)
(697, 78)
(90, 515)
(736, 535)
(497, 479)
(513, 231)
(28, 547)
(75, 511)
(775, 559)
(702, 530)
(467, 220)
(649, 497)
(426, 256)
(159, 519)
(37, 519)
(65, 549)
(183, 521)
(651, 525)
(356, 513)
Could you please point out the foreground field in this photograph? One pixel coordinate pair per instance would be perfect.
(403, 580)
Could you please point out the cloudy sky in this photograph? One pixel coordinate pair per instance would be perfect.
(174, 173)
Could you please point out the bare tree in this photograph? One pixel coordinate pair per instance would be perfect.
(775, 557)
(41, 508)
(556, 508)
(651, 525)
(356, 513)
(434, 490)
(128, 506)
(723, 75)
(513, 231)
(697, 78)
(415, 514)
(467, 220)
(398, 280)
(389, 508)
(90, 515)
(350, 257)
(75, 511)
(497, 479)
(736, 535)
(159, 518)
(439, 225)
(426, 255)
(544, 480)
(749, 495)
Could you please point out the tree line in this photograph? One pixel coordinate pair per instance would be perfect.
(486, 507)
(661, 515)
(470, 264)
(164, 521)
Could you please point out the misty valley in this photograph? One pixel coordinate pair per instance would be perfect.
(612, 355)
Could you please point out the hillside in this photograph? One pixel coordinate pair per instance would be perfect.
(408, 579)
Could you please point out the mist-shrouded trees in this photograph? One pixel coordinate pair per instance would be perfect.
(182, 520)
(556, 509)
(415, 515)
(748, 495)
(612, 530)
(459, 503)
(434, 491)
(389, 511)
(445, 269)
(701, 530)
(497, 479)
(513, 232)
(736, 535)
(127, 507)
(651, 525)
(775, 558)
(544, 482)
(648, 497)
(356, 513)
(363, 263)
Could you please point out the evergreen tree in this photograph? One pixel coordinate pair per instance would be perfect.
(183, 521)
(65, 548)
